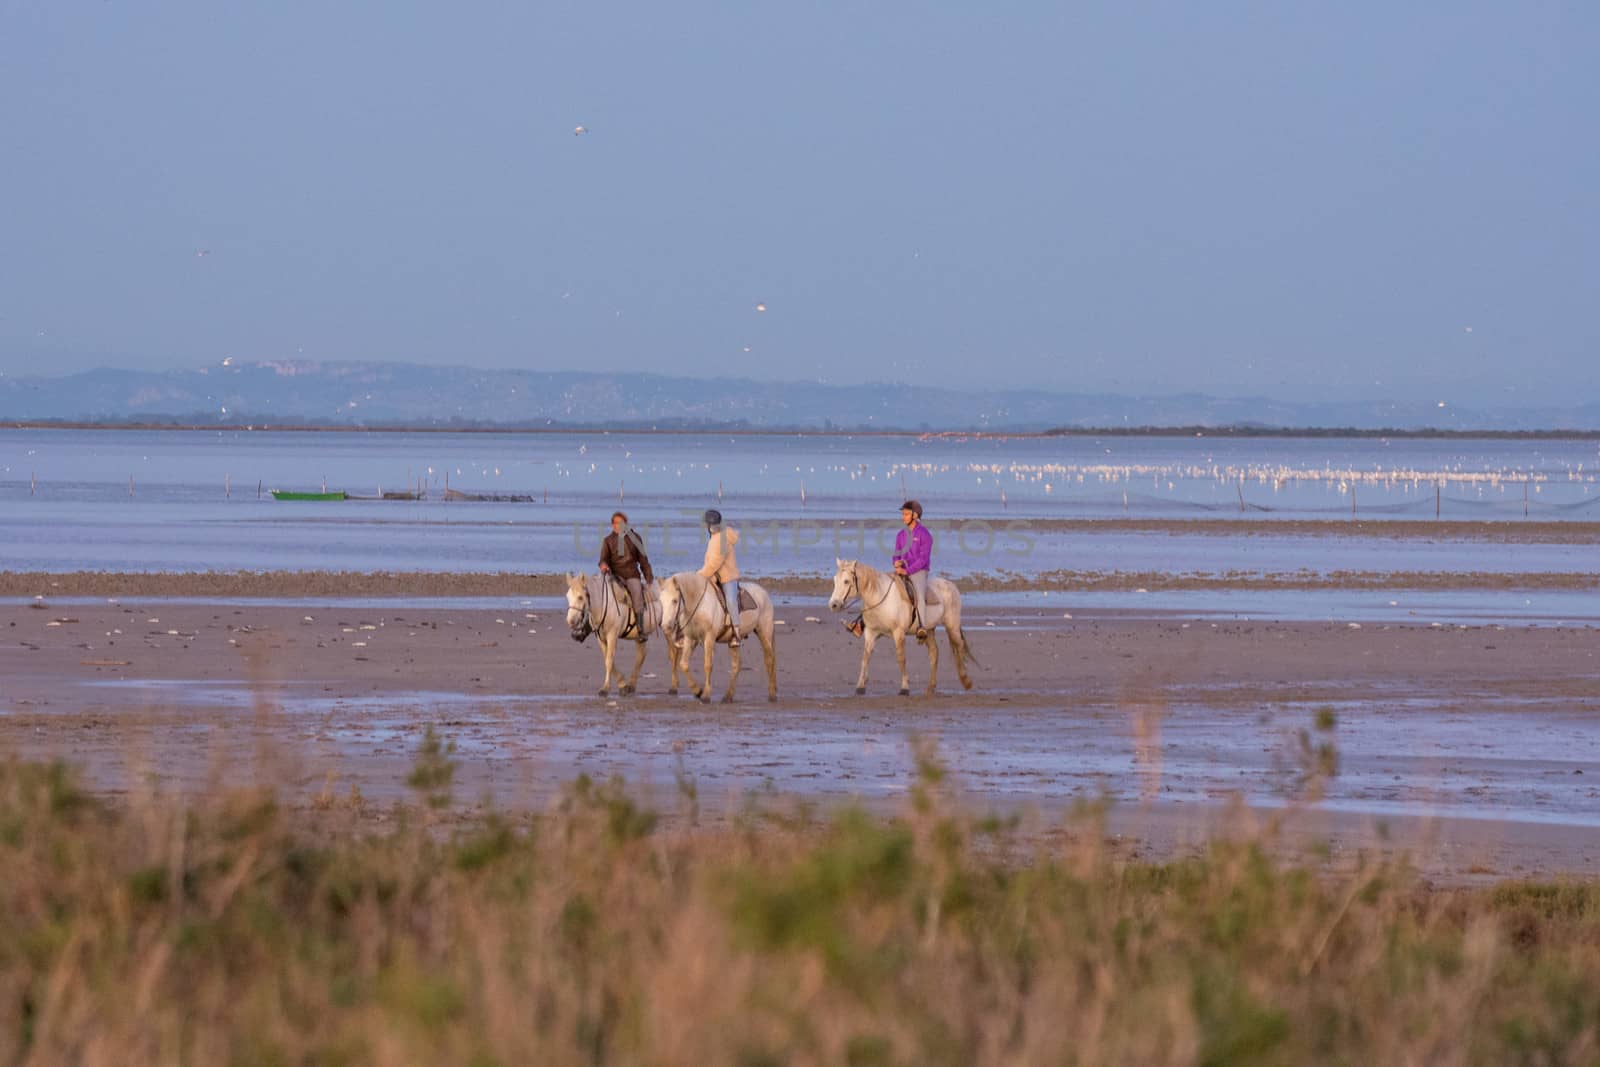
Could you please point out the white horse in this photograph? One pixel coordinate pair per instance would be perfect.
(593, 605)
(693, 614)
(886, 610)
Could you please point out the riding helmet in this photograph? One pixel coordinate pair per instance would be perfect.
(913, 507)
(713, 517)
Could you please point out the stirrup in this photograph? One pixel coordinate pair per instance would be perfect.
(855, 626)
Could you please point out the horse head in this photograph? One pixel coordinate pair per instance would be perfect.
(845, 586)
(577, 600)
(671, 601)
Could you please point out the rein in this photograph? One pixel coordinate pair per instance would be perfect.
(855, 579)
(588, 601)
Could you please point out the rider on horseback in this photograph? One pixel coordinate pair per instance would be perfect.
(622, 557)
(722, 567)
(913, 553)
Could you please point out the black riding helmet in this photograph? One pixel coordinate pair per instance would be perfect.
(913, 507)
(713, 517)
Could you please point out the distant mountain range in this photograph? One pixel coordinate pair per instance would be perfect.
(289, 393)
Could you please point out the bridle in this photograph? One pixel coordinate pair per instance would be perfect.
(588, 601)
(678, 613)
(855, 581)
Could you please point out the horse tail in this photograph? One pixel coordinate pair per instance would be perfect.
(964, 647)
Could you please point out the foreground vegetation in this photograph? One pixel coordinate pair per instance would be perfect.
(234, 930)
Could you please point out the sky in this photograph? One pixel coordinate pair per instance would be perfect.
(1300, 200)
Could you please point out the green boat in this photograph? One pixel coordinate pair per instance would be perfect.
(284, 494)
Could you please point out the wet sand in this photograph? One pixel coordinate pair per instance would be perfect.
(1477, 746)
(413, 584)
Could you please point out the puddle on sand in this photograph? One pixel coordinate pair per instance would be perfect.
(1402, 753)
(1045, 610)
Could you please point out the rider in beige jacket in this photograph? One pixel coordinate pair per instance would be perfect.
(722, 565)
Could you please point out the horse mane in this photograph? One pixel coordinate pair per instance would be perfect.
(866, 574)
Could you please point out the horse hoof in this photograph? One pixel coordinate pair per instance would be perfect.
(727, 699)
(772, 698)
(672, 692)
(861, 690)
(625, 691)
(905, 692)
(705, 698)
(966, 683)
(605, 692)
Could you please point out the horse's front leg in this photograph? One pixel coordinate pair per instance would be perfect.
(867, 641)
(673, 659)
(900, 658)
(733, 673)
(704, 693)
(608, 656)
(933, 663)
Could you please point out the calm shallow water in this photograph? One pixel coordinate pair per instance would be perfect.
(65, 501)
(1407, 753)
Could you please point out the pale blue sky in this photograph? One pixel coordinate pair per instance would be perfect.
(1288, 198)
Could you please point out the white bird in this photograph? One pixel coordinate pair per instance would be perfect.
(761, 307)
(579, 131)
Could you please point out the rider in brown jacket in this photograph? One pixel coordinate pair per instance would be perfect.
(622, 556)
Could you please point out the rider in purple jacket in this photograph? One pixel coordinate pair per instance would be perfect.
(913, 553)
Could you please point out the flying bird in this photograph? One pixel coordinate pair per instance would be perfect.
(579, 131)
(761, 307)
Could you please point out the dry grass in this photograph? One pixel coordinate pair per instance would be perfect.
(231, 930)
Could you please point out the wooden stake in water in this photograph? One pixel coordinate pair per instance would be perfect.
(1438, 499)
(227, 486)
(719, 490)
(621, 488)
(802, 494)
(1524, 498)
(31, 482)
(1240, 488)
(130, 485)
(258, 489)
(1352, 500)
(324, 483)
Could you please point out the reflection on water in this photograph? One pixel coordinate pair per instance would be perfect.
(1477, 756)
(172, 500)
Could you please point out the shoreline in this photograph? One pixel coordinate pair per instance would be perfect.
(413, 584)
(1479, 732)
(1191, 430)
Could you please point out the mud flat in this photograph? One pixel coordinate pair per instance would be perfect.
(415, 584)
(1478, 746)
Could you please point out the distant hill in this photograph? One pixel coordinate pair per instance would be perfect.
(401, 394)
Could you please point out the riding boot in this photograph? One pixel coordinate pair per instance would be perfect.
(730, 605)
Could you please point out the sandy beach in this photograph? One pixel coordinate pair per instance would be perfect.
(1474, 746)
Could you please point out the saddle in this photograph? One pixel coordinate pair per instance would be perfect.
(746, 602)
(911, 598)
(619, 596)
